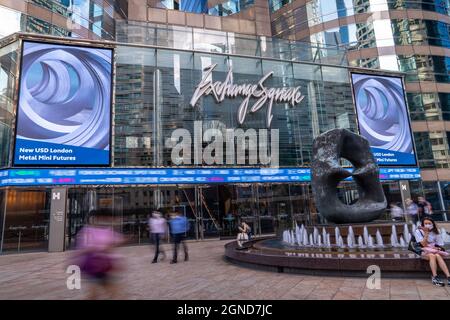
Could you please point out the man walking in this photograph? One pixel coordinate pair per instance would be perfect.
(178, 227)
(157, 225)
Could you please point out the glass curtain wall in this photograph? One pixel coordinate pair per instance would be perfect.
(153, 89)
(26, 222)
(8, 70)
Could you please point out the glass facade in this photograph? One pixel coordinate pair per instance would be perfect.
(82, 19)
(156, 70)
(218, 8)
(370, 35)
(227, 8)
(8, 78)
(212, 210)
(213, 41)
(153, 85)
(327, 10)
(328, 98)
(408, 36)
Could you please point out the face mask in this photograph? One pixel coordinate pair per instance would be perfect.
(428, 226)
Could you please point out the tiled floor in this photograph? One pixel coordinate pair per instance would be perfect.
(205, 276)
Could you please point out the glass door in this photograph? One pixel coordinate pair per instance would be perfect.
(82, 204)
(227, 208)
(267, 208)
(182, 199)
(26, 224)
(246, 206)
(210, 209)
(302, 208)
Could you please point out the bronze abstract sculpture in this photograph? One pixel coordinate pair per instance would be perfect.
(328, 149)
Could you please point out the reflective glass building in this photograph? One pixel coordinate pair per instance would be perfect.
(159, 58)
(409, 36)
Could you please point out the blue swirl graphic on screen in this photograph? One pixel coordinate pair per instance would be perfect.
(382, 113)
(65, 95)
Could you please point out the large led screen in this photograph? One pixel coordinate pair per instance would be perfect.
(383, 118)
(64, 110)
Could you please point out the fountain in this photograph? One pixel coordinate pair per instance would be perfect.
(394, 238)
(313, 247)
(300, 237)
(316, 234)
(366, 235)
(361, 242)
(406, 234)
(340, 242)
(351, 236)
(379, 239)
(319, 240)
(350, 242)
(337, 234)
(402, 242)
(304, 248)
(370, 242)
(305, 237)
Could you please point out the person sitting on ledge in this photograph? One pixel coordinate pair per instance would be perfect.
(432, 249)
(245, 228)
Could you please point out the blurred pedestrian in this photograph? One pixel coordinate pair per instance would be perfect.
(396, 212)
(412, 210)
(425, 208)
(179, 225)
(158, 227)
(96, 243)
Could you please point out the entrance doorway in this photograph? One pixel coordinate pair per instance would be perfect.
(26, 220)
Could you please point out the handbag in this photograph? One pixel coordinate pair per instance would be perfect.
(415, 246)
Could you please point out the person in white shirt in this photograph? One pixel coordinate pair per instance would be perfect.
(432, 249)
(158, 226)
(396, 212)
(412, 210)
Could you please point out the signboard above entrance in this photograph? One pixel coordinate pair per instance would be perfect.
(163, 176)
(227, 89)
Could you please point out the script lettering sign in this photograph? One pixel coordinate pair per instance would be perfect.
(227, 89)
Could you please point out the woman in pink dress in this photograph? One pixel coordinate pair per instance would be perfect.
(433, 249)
